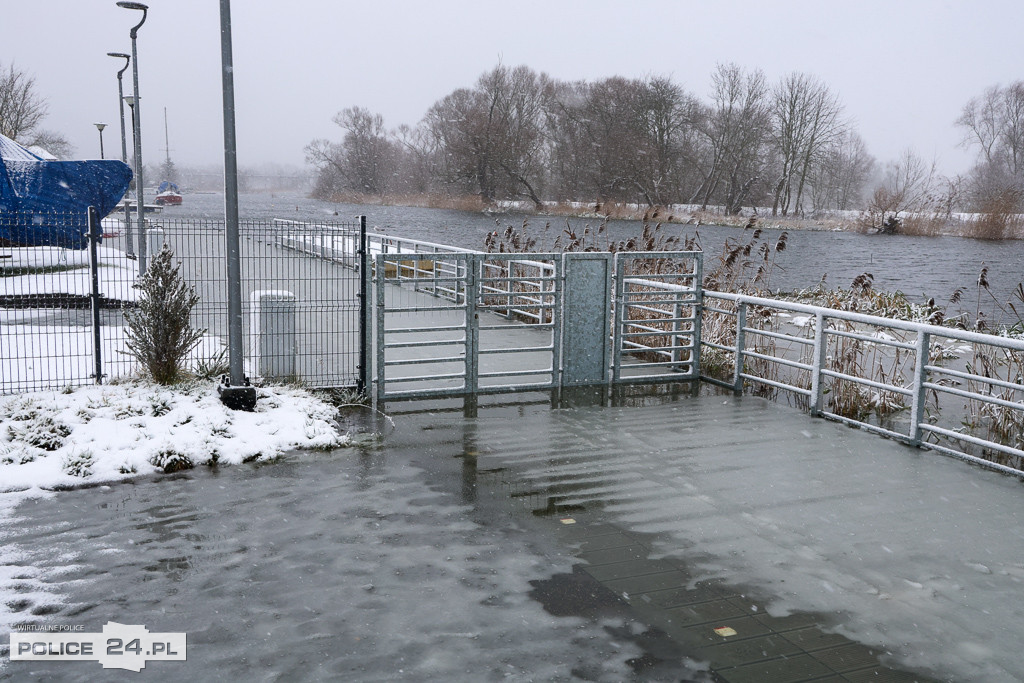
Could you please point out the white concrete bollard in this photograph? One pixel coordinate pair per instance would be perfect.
(272, 328)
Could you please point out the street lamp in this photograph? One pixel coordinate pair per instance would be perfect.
(124, 146)
(100, 127)
(120, 100)
(137, 130)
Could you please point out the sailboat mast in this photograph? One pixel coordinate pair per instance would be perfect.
(167, 140)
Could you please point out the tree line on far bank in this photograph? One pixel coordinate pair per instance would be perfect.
(786, 148)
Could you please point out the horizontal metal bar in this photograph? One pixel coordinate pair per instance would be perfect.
(869, 339)
(778, 335)
(777, 385)
(430, 342)
(414, 330)
(425, 309)
(1013, 386)
(934, 330)
(425, 378)
(983, 398)
(777, 359)
(516, 349)
(425, 361)
(864, 425)
(984, 443)
(659, 364)
(516, 373)
(720, 347)
(871, 383)
(967, 457)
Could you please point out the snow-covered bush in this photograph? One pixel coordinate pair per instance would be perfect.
(170, 460)
(42, 431)
(160, 333)
(78, 464)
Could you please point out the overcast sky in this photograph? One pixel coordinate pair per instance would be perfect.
(903, 68)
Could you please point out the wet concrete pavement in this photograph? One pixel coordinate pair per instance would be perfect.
(665, 538)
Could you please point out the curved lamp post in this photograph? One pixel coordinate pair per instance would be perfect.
(124, 146)
(140, 202)
(120, 100)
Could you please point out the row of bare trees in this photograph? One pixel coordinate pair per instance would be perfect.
(518, 134)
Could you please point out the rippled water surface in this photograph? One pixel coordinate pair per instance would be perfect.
(921, 267)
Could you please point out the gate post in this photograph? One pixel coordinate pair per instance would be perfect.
(365, 370)
(94, 266)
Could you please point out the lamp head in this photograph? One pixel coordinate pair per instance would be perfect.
(135, 5)
(100, 126)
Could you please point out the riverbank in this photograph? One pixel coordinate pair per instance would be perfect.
(966, 225)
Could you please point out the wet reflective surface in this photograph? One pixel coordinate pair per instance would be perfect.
(660, 537)
(379, 562)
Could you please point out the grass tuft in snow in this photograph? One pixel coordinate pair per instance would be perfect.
(42, 432)
(78, 464)
(170, 460)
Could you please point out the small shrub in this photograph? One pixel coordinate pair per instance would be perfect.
(214, 366)
(170, 460)
(160, 404)
(78, 464)
(159, 332)
(42, 432)
(127, 468)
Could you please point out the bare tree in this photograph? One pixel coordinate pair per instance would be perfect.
(993, 123)
(839, 181)
(491, 138)
(736, 128)
(908, 186)
(365, 161)
(808, 120)
(22, 110)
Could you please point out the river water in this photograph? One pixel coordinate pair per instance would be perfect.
(921, 267)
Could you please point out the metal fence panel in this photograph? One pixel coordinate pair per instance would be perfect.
(44, 308)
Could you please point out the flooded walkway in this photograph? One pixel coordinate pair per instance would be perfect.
(666, 538)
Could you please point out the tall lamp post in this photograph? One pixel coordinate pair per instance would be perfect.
(237, 394)
(124, 145)
(100, 127)
(140, 202)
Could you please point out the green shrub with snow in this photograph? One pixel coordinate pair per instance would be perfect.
(160, 333)
(78, 464)
(170, 460)
(41, 431)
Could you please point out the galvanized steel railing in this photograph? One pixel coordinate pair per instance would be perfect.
(657, 317)
(897, 378)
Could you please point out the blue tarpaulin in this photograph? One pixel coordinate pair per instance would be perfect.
(45, 202)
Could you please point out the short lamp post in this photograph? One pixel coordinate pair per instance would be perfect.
(140, 202)
(100, 127)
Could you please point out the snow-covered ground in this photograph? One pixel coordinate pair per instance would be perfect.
(96, 434)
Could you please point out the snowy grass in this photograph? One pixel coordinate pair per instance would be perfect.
(127, 429)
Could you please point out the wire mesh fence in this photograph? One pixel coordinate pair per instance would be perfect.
(300, 308)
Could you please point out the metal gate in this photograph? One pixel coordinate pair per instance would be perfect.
(452, 323)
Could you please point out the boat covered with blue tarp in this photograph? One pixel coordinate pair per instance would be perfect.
(45, 202)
